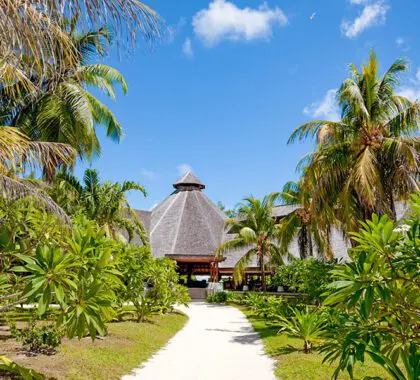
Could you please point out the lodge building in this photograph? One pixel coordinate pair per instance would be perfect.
(188, 228)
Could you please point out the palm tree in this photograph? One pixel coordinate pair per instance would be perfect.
(369, 158)
(311, 230)
(18, 154)
(33, 28)
(106, 203)
(65, 111)
(256, 232)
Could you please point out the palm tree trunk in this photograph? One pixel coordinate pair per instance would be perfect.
(392, 206)
(262, 268)
(310, 244)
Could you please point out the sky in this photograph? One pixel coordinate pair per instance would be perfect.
(223, 92)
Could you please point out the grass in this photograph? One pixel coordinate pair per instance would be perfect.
(127, 346)
(293, 364)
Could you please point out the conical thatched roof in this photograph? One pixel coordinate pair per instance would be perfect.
(186, 223)
(189, 182)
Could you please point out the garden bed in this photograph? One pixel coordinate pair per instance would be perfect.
(292, 363)
(127, 345)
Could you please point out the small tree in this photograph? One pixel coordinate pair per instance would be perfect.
(377, 295)
(256, 232)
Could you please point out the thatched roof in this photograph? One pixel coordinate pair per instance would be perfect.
(186, 222)
(283, 210)
(189, 182)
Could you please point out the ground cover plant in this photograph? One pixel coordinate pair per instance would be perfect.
(127, 345)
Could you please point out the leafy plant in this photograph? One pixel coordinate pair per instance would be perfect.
(217, 297)
(310, 277)
(51, 275)
(9, 367)
(39, 339)
(308, 325)
(378, 291)
(89, 307)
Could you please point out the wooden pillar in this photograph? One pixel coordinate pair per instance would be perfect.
(214, 271)
(189, 272)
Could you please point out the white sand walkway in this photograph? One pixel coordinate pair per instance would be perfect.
(217, 343)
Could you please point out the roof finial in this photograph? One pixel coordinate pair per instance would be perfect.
(189, 182)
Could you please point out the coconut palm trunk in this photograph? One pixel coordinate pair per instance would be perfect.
(310, 243)
(262, 269)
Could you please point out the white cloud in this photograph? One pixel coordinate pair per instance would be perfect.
(187, 48)
(372, 14)
(327, 108)
(412, 91)
(184, 169)
(223, 20)
(312, 16)
(149, 174)
(402, 44)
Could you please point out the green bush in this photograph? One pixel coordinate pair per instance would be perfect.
(218, 297)
(88, 274)
(310, 277)
(308, 325)
(375, 299)
(39, 339)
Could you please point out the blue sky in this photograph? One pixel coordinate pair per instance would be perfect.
(225, 91)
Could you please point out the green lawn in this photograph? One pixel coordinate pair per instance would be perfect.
(127, 346)
(293, 364)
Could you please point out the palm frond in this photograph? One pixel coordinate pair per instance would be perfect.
(102, 76)
(312, 129)
(130, 185)
(17, 189)
(103, 116)
(31, 27)
(242, 264)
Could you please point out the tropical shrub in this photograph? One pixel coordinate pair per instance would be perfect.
(254, 301)
(87, 274)
(233, 297)
(310, 277)
(38, 339)
(163, 281)
(217, 297)
(376, 294)
(308, 325)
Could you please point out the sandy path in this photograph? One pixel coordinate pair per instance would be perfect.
(217, 343)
